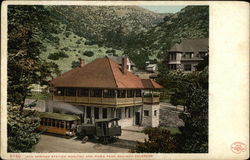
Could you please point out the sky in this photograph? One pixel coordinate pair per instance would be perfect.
(164, 9)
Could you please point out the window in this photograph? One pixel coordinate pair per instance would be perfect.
(172, 66)
(53, 123)
(104, 113)
(146, 113)
(138, 93)
(187, 67)
(108, 93)
(202, 54)
(155, 112)
(88, 114)
(83, 92)
(67, 125)
(58, 124)
(127, 112)
(96, 113)
(119, 113)
(59, 92)
(188, 55)
(121, 93)
(96, 93)
(42, 121)
(130, 93)
(71, 92)
(46, 121)
(62, 124)
(172, 56)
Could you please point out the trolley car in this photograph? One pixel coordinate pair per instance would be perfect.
(103, 129)
(57, 123)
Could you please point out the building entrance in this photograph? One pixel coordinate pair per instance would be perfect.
(137, 118)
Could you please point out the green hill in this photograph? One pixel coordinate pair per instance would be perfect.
(90, 32)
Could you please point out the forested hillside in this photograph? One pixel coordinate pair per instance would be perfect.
(109, 25)
(190, 22)
(90, 32)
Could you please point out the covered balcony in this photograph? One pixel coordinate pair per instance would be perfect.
(151, 96)
(98, 97)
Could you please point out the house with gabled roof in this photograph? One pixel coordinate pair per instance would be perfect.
(104, 89)
(184, 56)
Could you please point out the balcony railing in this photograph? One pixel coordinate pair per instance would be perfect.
(151, 100)
(99, 100)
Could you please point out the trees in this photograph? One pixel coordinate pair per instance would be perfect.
(21, 130)
(26, 25)
(159, 141)
(190, 90)
(194, 135)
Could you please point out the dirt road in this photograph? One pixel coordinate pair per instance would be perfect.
(51, 143)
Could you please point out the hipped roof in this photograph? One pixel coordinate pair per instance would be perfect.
(100, 73)
(150, 84)
(191, 45)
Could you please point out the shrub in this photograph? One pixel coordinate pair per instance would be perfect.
(75, 64)
(111, 51)
(88, 53)
(159, 140)
(67, 34)
(57, 55)
(89, 43)
(65, 49)
(78, 41)
(21, 130)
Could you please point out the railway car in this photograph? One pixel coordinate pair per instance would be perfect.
(57, 123)
(104, 130)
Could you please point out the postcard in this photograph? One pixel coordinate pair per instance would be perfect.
(124, 80)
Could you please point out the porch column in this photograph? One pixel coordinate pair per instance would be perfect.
(116, 97)
(152, 92)
(134, 96)
(76, 94)
(102, 96)
(89, 96)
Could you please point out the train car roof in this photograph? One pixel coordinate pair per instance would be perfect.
(58, 116)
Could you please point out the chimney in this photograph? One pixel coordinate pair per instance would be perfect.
(124, 65)
(82, 62)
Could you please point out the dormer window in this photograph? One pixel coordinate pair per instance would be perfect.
(188, 55)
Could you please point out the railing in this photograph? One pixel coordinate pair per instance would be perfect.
(151, 100)
(99, 100)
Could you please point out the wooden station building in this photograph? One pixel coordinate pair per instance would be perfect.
(104, 89)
